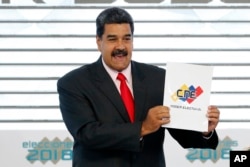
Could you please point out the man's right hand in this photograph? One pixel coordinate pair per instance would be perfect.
(156, 117)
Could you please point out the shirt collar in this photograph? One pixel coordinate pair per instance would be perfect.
(113, 73)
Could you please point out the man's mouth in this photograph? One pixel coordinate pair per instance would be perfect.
(119, 53)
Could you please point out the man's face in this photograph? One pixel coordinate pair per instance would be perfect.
(116, 45)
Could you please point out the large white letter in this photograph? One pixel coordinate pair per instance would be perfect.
(237, 158)
(243, 157)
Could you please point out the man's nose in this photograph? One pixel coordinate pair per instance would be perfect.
(120, 44)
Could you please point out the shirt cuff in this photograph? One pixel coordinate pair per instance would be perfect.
(208, 137)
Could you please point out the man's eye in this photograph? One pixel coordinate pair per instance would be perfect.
(128, 39)
(111, 39)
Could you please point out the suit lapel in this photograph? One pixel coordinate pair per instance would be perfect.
(106, 85)
(139, 90)
(104, 82)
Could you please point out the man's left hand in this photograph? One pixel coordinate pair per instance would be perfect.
(213, 115)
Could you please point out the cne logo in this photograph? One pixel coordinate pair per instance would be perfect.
(187, 94)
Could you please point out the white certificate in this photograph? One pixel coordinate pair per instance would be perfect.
(187, 93)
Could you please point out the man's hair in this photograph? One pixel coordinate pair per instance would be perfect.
(113, 15)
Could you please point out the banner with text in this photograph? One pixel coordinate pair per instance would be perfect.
(45, 148)
(229, 139)
(124, 2)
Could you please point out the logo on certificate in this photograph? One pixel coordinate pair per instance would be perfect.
(187, 94)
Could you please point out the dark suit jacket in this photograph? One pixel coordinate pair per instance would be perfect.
(96, 117)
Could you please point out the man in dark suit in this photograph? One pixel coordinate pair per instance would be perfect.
(95, 115)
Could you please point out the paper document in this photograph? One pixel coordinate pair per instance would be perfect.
(187, 93)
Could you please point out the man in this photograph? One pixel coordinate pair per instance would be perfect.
(95, 115)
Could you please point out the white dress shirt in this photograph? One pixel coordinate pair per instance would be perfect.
(113, 74)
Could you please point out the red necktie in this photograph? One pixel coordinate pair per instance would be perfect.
(126, 96)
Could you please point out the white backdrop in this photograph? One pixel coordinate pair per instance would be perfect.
(40, 40)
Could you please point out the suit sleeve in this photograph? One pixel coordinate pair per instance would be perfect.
(193, 139)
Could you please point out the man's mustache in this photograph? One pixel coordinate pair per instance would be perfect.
(119, 52)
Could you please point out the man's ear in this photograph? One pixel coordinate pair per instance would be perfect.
(98, 42)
